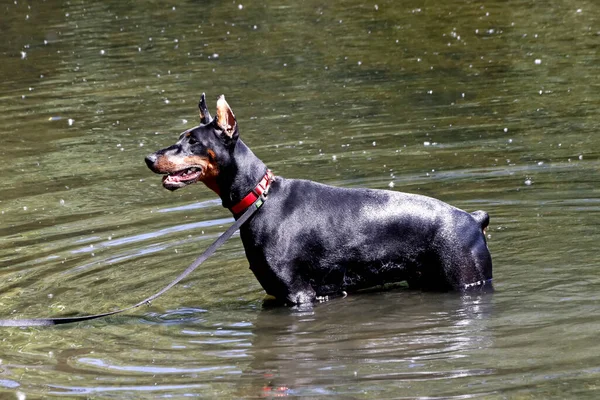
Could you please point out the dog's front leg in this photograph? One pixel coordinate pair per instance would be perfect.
(284, 286)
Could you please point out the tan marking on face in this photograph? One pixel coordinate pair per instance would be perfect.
(168, 165)
(210, 172)
(165, 165)
(194, 160)
(212, 156)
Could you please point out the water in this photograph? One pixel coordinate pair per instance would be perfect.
(488, 106)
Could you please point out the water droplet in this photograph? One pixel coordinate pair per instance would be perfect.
(426, 143)
(62, 202)
(374, 144)
(581, 156)
(334, 158)
(70, 121)
(23, 55)
(240, 6)
(538, 61)
(528, 182)
(102, 52)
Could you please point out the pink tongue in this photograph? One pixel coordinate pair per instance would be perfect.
(181, 176)
(175, 178)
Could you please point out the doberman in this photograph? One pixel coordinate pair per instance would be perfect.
(309, 241)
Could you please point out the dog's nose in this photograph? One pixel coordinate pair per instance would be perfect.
(150, 160)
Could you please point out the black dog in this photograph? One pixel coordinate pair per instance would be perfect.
(310, 240)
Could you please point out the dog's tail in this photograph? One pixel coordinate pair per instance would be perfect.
(482, 218)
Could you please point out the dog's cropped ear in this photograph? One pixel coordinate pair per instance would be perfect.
(226, 119)
(204, 114)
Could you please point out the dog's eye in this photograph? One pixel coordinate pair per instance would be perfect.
(192, 140)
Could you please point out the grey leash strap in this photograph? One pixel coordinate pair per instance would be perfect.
(209, 252)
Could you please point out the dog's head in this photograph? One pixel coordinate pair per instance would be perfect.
(200, 152)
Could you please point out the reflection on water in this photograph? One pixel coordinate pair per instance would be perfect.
(383, 344)
(487, 106)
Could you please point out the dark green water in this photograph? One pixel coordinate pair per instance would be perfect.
(486, 105)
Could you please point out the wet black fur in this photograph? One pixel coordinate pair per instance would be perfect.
(310, 239)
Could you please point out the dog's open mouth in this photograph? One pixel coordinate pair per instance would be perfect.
(184, 177)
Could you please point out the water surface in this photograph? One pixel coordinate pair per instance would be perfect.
(485, 105)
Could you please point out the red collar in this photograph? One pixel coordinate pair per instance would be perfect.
(262, 187)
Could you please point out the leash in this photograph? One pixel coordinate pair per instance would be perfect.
(209, 252)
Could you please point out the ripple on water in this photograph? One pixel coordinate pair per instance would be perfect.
(459, 102)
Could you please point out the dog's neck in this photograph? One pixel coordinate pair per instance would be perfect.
(240, 176)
